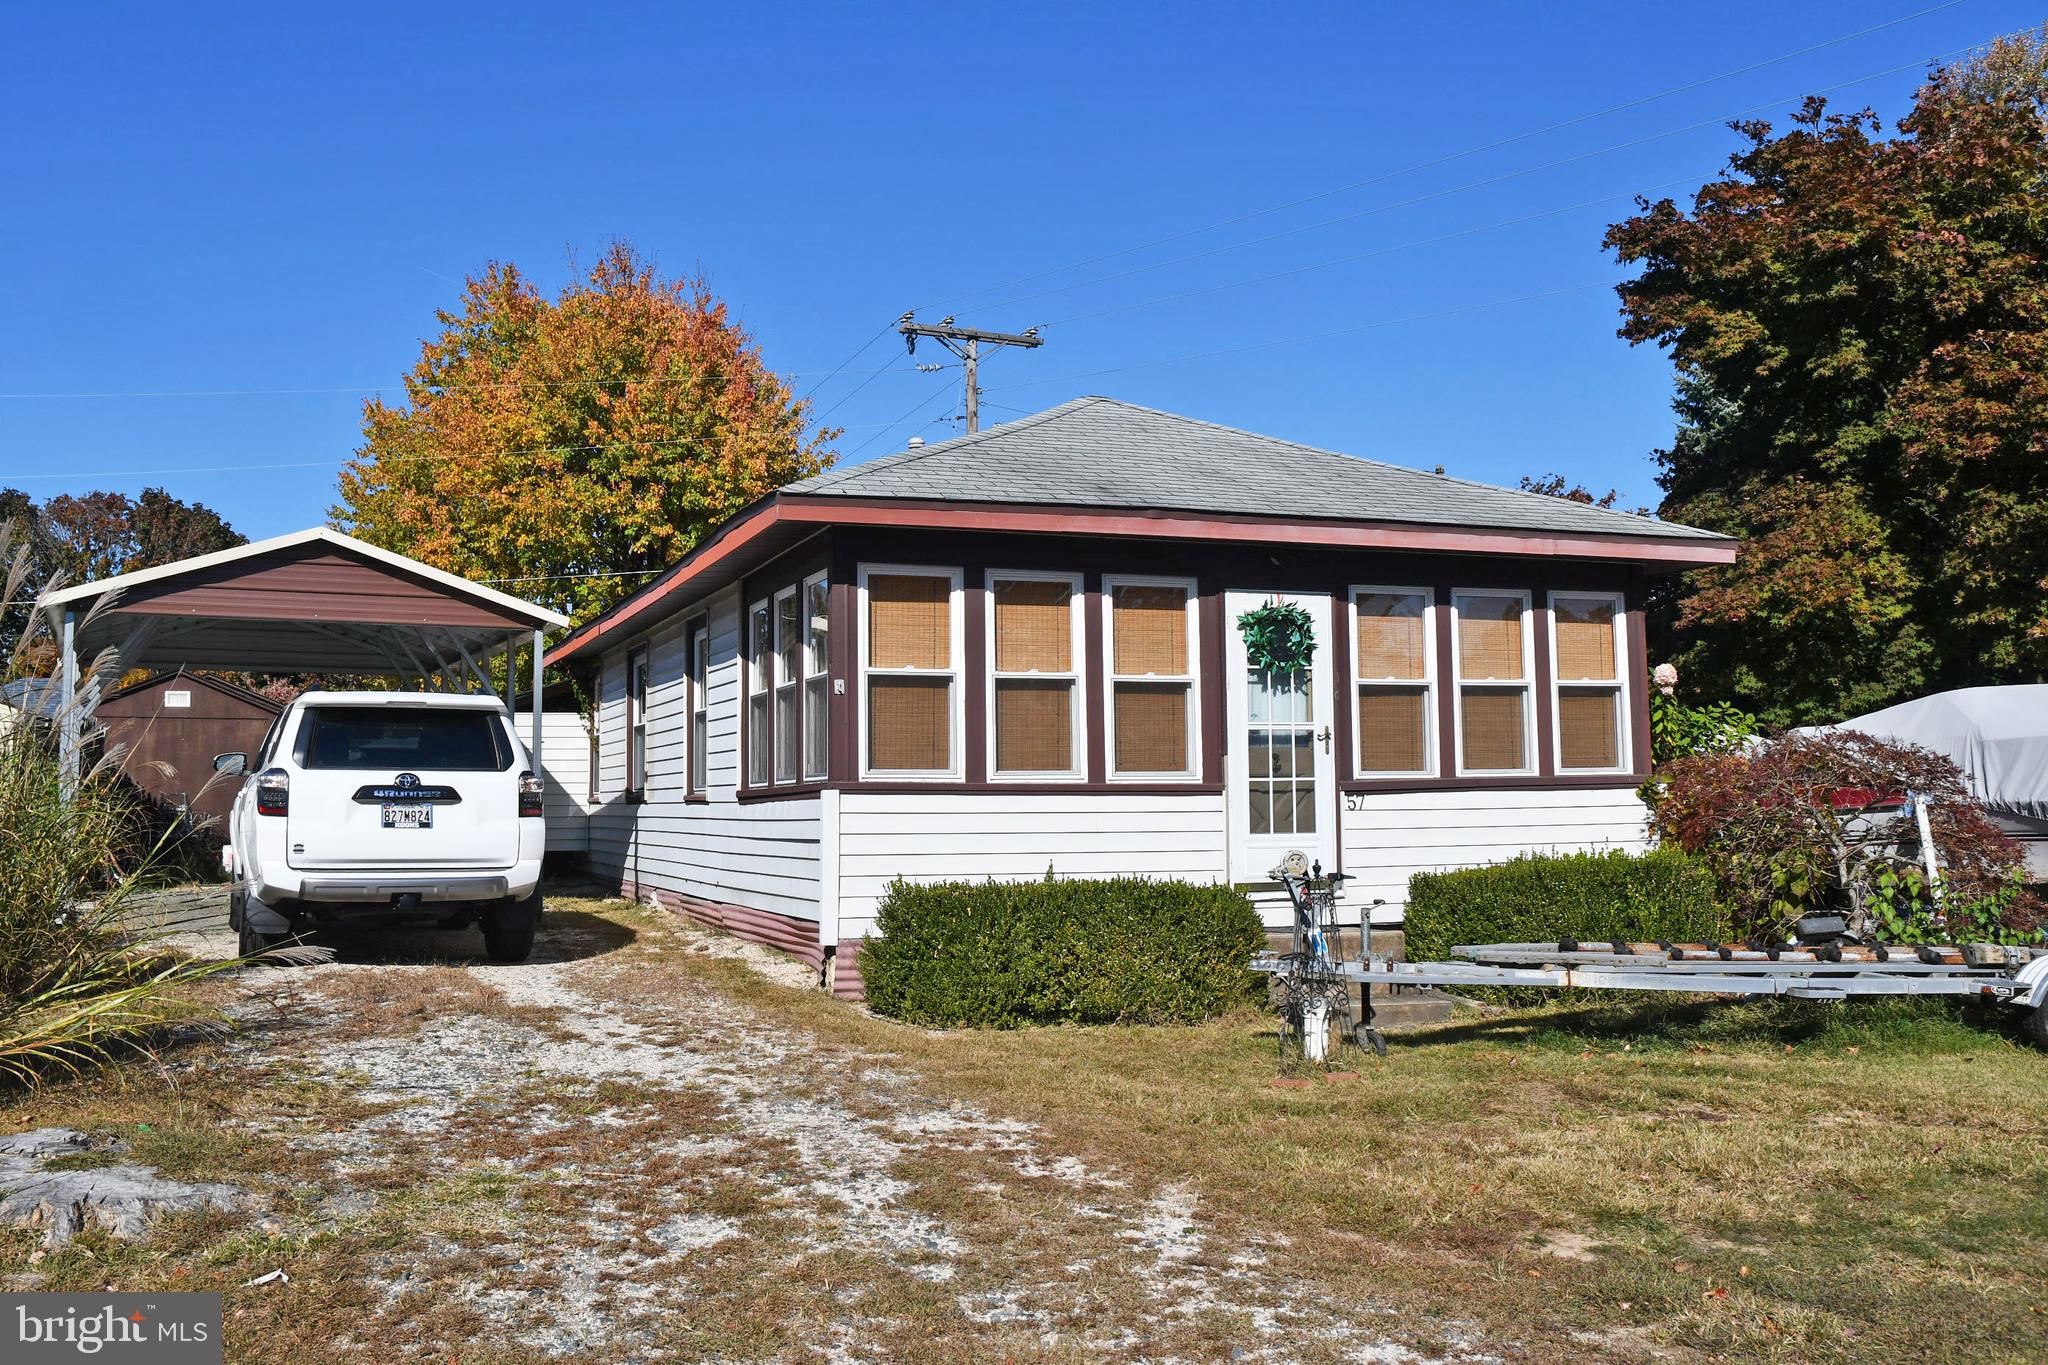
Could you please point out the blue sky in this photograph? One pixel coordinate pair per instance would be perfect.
(264, 205)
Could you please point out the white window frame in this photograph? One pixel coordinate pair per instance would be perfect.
(1623, 747)
(696, 739)
(1527, 682)
(640, 671)
(813, 667)
(956, 725)
(754, 682)
(1427, 682)
(1110, 677)
(1077, 731)
(786, 684)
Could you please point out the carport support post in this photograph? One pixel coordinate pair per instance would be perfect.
(535, 699)
(69, 731)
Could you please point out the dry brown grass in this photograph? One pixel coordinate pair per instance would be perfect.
(396, 1002)
(1737, 1182)
(1567, 1184)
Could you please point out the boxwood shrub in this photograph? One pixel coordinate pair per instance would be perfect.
(1663, 894)
(1004, 954)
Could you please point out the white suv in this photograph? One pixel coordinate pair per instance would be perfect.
(387, 808)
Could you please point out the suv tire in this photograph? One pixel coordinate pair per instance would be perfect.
(508, 928)
(250, 942)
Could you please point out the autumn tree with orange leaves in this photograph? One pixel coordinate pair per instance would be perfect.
(570, 448)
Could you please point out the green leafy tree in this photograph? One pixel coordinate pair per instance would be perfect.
(75, 538)
(604, 432)
(1859, 325)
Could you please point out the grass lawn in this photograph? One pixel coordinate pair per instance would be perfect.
(1757, 1180)
(1769, 1182)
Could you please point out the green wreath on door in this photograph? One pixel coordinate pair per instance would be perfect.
(1280, 636)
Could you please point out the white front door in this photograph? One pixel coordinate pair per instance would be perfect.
(1281, 776)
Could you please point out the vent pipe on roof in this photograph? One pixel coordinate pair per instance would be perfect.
(913, 443)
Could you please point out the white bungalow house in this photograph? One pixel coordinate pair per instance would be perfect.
(1017, 650)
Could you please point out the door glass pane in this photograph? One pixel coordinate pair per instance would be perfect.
(1280, 752)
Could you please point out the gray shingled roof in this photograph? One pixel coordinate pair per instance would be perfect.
(1098, 452)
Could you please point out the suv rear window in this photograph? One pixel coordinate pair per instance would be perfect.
(387, 737)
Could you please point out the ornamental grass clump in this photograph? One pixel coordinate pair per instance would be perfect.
(80, 981)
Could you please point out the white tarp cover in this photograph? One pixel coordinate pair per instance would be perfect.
(1998, 736)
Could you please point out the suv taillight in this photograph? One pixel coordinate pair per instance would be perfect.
(273, 792)
(530, 794)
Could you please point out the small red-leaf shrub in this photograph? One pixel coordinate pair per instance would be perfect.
(1812, 823)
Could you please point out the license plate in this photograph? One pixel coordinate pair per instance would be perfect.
(408, 817)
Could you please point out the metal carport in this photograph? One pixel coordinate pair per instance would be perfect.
(314, 601)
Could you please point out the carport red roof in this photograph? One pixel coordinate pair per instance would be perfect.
(315, 601)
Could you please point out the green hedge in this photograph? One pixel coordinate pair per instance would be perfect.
(1003, 954)
(1536, 899)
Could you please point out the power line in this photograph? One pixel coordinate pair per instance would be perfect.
(899, 367)
(1446, 159)
(859, 351)
(916, 408)
(1368, 255)
(436, 388)
(341, 460)
(1317, 336)
(564, 577)
(1447, 193)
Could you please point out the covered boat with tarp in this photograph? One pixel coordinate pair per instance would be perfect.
(1998, 736)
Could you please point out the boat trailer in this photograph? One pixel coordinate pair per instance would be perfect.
(1313, 981)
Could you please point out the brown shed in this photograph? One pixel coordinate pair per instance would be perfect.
(169, 728)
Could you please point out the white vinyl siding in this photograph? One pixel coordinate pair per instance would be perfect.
(1390, 836)
(759, 854)
(950, 836)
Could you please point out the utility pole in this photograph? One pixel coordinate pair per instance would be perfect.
(965, 342)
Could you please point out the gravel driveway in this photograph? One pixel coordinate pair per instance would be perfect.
(604, 1154)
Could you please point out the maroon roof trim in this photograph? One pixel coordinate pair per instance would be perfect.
(805, 509)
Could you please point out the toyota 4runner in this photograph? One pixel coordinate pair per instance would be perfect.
(387, 808)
